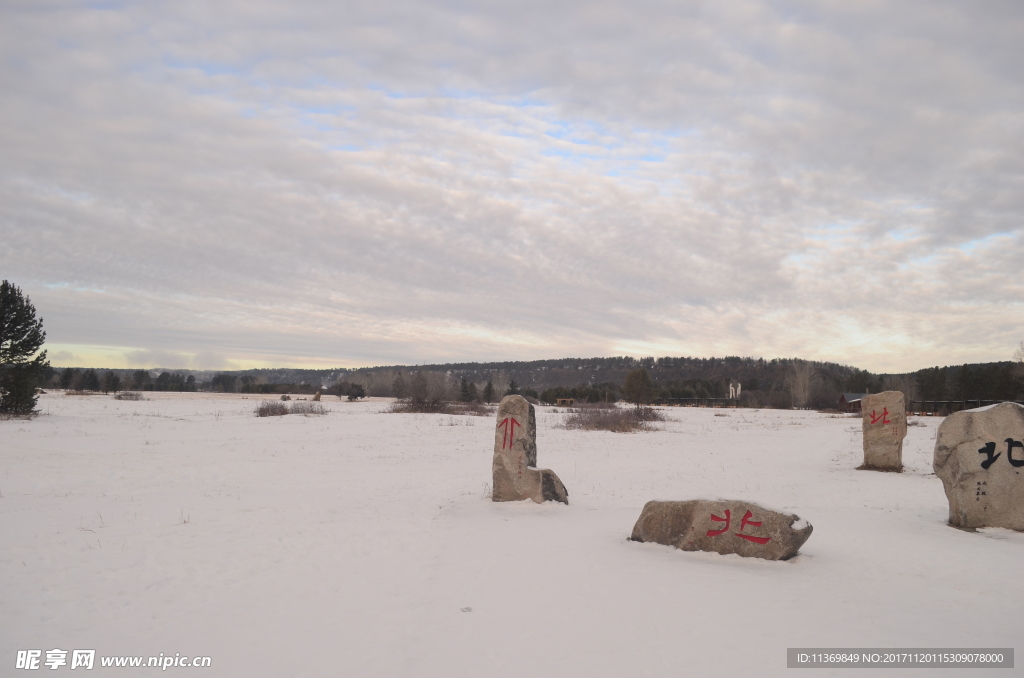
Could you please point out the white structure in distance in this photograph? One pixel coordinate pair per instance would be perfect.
(734, 390)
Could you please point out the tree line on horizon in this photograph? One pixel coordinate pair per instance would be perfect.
(775, 384)
(781, 383)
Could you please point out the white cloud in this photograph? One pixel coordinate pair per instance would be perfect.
(354, 184)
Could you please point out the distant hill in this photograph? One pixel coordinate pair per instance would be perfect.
(765, 382)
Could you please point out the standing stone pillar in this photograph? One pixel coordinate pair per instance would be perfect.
(979, 456)
(515, 456)
(884, 421)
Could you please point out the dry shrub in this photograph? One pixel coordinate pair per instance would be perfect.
(276, 408)
(271, 408)
(647, 414)
(411, 407)
(614, 419)
(8, 416)
(474, 409)
(428, 392)
(129, 395)
(307, 407)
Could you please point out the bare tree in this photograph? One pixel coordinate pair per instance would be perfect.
(500, 382)
(383, 384)
(1018, 357)
(430, 392)
(801, 382)
(398, 388)
(824, 392)
(905, 384)
(376, 384)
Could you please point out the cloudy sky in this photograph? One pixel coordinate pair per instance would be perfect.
(254, 183)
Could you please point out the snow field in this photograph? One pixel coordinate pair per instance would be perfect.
(363, 543)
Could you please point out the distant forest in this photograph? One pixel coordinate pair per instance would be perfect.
(780, 383)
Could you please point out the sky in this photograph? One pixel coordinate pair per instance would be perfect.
(312, 184)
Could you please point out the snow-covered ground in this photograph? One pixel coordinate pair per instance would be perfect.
(363, 543)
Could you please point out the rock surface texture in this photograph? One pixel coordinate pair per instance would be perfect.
(515, 456)
(724, 527)
(884, 420)
(979, 456)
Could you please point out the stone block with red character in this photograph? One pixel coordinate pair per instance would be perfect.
(884, 422)
(725, 527)
(515, 456)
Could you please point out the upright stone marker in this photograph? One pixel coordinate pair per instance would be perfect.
(724, 527)
(979, 455)
(515, 456)
(884, 420)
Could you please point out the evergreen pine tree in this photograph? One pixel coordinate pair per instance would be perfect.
(21, 335)
(140, 379)
(111, 382)
(638, 387)
(90, 380)
(67, 377)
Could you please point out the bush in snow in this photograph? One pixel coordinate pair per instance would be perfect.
(617, 420)
(270, 408)
(306, 407)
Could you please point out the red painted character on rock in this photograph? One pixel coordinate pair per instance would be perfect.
(743, 525)
(509, 424)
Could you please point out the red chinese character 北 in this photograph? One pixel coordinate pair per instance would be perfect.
(883, 417)
(743, 524)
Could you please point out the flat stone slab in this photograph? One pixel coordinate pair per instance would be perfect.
(979, 456)
(724, 527)
(884, 422)
(515, 455)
